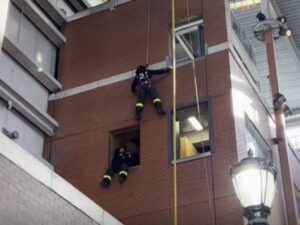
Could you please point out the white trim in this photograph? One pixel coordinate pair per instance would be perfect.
(24, 160)
(218, 48)
(3, 18)
(41, 21)
(43, 77)
(100, 83)
(123, 76)
(41, 119)
(198, 156)
(96, 9)
(188, 25)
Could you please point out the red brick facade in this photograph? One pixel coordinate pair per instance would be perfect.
(114, 42)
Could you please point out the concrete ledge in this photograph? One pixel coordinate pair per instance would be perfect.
(41, 21)
(101, 83)
(127, 75)
(53, 181)
(41, 119)
(42, 76)
(109, 5)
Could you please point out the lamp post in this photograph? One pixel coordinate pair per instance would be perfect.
(254, 181)
(268, 30)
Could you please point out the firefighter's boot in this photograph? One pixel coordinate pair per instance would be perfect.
(159, 108)
(106, 181)
(122, 176)
(138, 112)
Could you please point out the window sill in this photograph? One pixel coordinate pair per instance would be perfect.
(187, 62)
(41, 119)
(199, 156)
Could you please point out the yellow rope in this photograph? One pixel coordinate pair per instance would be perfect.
(199, 118)
(148, 32)
(174, 114)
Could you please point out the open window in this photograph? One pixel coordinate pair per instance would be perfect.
(189, 40)
(130, 138)
(192, 132)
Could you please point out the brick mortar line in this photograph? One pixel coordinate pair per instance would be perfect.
(165, 209)
(122, 76)
(109, 125)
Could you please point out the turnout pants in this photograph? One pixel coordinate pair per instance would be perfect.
(147, 89)
(122, 171)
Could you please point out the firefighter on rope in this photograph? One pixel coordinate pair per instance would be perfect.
(143, 80)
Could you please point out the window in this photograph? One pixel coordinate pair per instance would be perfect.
(256, 142)
(35, 45)
(21, 130)
(297, 196)
(130, 138)
(189, 40)
(192, 133)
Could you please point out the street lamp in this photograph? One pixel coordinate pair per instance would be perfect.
(254, 181)
(277, 26)
(267, 30)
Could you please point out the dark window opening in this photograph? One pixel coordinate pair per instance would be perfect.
(130, 138)
(192, 132)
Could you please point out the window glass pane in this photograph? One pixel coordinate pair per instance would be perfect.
(256, 142)
(189, 41)
(31, 41)
(297, 196)
(192, 40)
(192, 133)
(45, 54)
(22, 82)
(27, 38)
(181, 55)
(13, 23)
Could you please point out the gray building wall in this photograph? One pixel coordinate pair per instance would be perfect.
(24, 200)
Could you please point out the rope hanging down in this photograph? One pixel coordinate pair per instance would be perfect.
(148, 32)
(199, 118)
(174, 114)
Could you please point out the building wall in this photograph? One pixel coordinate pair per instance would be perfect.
(27, 58)
(113, 42)
(32, 193)
(247, 103)
(116, 41)
(25, 200)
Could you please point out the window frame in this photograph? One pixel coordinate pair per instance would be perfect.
(184, 27)
(250, 125)
(112, 143)
(297, 199)
(185, 105)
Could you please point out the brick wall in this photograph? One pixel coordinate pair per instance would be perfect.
(109, 43)
(24, 200)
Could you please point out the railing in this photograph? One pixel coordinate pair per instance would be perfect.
(242, 37)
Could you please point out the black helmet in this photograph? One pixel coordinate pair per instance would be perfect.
(117, 151)
(141, 68)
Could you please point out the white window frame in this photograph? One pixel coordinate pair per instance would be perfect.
(185, 28)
